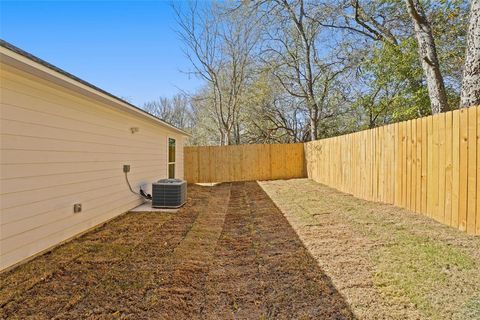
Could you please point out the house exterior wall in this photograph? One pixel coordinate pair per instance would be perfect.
(59, 147)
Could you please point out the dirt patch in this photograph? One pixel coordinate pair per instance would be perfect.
(389, 263)
(229, 253)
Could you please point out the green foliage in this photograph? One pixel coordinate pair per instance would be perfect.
(392, 85)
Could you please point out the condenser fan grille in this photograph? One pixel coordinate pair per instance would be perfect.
(169, 193)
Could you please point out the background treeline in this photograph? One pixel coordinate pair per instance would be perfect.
(290, 71)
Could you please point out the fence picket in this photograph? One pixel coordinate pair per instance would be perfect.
(463, 178)
(472, 169)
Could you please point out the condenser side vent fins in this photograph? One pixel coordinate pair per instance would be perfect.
(169, 193)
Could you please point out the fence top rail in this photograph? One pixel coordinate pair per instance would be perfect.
(393, 124)
(233, 146)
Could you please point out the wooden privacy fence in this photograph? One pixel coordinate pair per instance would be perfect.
(244, 162)
(429, 165)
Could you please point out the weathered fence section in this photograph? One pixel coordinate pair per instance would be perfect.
(244, 162)
(429, 165)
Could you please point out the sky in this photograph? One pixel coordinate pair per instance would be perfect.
(128, 48)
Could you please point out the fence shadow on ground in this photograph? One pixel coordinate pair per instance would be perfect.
(294, 284)
(229, 253)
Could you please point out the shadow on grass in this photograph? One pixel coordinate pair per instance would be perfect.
(261, 268)
(257, 267)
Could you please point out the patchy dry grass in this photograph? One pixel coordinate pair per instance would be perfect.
(228, 254)
(388, 262)
(231, 253)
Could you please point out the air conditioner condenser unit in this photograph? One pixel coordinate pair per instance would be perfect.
(169, 193)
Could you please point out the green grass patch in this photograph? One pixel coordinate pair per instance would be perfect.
(418, 269)
(471, 309)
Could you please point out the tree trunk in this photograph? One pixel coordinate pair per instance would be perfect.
(222, 138)
(313, 128)
(371, 119)
(237, 132)
(428, 57)
(471, 71)
(228, 137)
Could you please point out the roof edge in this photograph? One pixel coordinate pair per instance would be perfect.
(10, 47)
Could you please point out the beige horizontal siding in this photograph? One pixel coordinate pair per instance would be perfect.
(42, 200)
(53, 238)
(36, 156)
(59, 148)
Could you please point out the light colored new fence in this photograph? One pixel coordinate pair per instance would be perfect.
(244, 162)
(429, 165)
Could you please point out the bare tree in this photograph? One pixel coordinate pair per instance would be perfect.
(278, 119)
(295, 59)
(205, 131)
(219, 46)
(428, 56)
(470, 95)
(333, 66)
(374, 20)
(176, 110)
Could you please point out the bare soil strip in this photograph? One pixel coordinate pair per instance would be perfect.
(388, 262)
(230, 253)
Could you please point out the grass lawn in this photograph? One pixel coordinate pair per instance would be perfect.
(229, 253)
(389, 263)
(274, 250)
